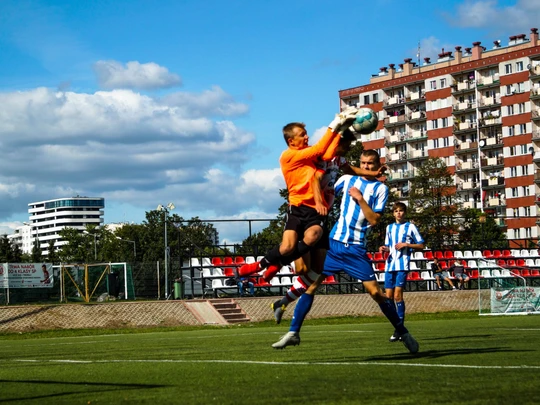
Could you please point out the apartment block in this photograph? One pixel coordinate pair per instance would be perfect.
(476, 108)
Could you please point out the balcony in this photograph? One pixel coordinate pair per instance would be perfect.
(536, 135)
(489, 121)
(488, 102)
(393, 101)
(495, 202)
(488, 80)
(466, 105)
(464, 86)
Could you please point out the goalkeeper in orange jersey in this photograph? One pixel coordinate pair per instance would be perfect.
(305, 215)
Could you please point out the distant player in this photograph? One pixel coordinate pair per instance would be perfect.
(402, 237)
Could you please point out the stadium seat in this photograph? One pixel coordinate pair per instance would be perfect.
(524, 253)
(515, 252)
(501, 262)
(228, 260)
(477, 254)
(330, 280)
(486, 274)
(217, 261)
(438, 254)
(217, 283)
(262, 283)
(472, 264)
(194, 262)
(534, 253)
(506, 273)
(228, 272)
(286, 281)
(535, 273)
(250, 259)
(458, 254)
(413, 266)
(520, 262)
(370, 256)
(468, 254)
(428, 255)
(496, 254)
(385, 255)
(444, 265)
(448, 254)
(206, 272)
(474, 274)
(419, 256)
(206, 261)
(378, 256)
(380, 276)
(413, 276)
(381, 266)
(259, 258)
(239, 260)
(506, 253)
(218, 272)
(495, 273)
(286, 270)
(537, 263)
(487, 254)
(511, 263)
(525, 273)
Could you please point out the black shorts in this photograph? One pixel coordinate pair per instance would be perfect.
(324, 242)
(301, 218)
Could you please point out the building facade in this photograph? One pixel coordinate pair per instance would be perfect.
(479, 111)
(48, 218)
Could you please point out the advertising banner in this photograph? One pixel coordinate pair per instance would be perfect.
(516, 299)
(26, 275)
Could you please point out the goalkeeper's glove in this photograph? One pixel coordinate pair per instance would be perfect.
(343, 120)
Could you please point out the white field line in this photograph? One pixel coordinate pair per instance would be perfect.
(276, 363)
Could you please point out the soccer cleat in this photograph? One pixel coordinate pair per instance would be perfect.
(288, 339)
(247, 269)
(394, 338)
(410, 343)
(270, 272)
(278, 310)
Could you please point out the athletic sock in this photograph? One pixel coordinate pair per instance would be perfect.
(400, 306)
(389, 310)
(300, 311)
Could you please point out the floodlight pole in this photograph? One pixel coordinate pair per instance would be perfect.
(165, 210)
(134, 248)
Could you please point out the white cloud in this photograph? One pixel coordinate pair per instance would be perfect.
(129, 148)
(430, 47)
(134, 75)
(488, 14)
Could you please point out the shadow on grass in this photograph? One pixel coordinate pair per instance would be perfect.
(106, 387)
(435, 354)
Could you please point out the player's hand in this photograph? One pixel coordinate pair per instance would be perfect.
(401, 245)
(343, 120)
(356, 194)
(382, 171)
(321, 209)
(383, 249)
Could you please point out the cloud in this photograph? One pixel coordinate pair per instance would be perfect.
(430, 47)
(130, 148)
(134, 75)
(488, 14)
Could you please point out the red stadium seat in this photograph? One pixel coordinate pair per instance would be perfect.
(239, 260)
(428, 255)
(511, 263)
(535, 273)
(228, 272)
(228, 260)
(444, 265)
(381, 266)
(439, 255)
(501, 262)
(506, 253)
(487, 254)
(385, 255)
(497, 254)
(474, 274)
(330, 280)
(413, 276)
(217, 261)
(378, 256)
(448, 254)
(525, 273)
(520, 262)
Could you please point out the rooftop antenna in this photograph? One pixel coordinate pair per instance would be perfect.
(418, 53)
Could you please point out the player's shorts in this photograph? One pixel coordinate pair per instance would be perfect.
(393, 279)
(352, 259)
(301, 218)
(460, 276)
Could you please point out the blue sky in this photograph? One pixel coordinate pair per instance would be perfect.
(150, 102)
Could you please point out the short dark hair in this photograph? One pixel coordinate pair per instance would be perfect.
(372, 153)
(401, 205)
(288, 130)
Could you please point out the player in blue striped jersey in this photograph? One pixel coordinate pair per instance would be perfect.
(402, 237)
(363, 202)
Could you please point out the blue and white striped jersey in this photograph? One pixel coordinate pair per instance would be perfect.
(396, 233)
(352, 226)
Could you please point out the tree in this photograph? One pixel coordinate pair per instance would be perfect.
(433, 204)
(36, 252)
(52, 256)
(480, 231)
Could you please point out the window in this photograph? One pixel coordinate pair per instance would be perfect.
(519, 66)
(512, 151)
(522, 149)
(511, 131)
(435, 143)
(366, 99)
(434, 124)
(433, 85)
(522, 128)
(514, 194)
(513, 171)
(527, 211)
(528, 232)
(515, 212)
(509, 89)
(521, 108)
(525, 190)
(375, 97)
(444, 122)
(525, 170)
(443, 83)
(510, 110)
(520, 87)
(508, 68)
(446, 142)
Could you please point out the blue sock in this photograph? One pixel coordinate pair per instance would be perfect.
(401, 310)
(389, 310)
(300, 311)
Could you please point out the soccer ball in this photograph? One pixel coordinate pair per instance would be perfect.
(366, 121)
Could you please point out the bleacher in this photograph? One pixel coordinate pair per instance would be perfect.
(210, 274)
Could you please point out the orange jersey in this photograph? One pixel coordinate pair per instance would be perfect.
(298, 167)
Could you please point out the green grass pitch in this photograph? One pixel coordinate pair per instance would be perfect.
(463, 358)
